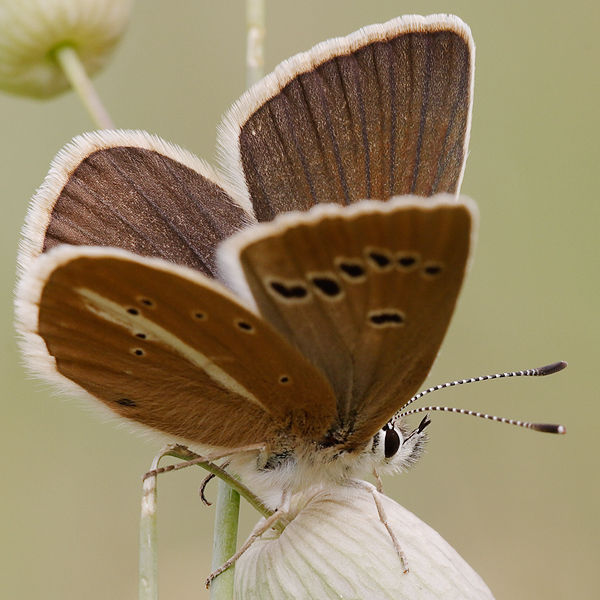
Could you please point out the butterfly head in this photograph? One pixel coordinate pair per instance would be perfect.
(395, 448)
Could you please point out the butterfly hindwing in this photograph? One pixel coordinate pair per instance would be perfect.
(130, 190)
(366, 292)
(169, 348)
(383, 112)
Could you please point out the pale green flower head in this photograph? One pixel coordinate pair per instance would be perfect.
(337, 547)
(31, 30)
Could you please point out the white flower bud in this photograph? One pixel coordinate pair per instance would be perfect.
(337, 547)
(31, 30)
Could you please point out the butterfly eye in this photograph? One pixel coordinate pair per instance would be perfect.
(392, 441)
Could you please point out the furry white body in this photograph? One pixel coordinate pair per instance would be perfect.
(306, 467)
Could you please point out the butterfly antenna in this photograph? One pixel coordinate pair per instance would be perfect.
(539, 372)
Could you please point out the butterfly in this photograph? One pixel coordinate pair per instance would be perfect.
(284, 310)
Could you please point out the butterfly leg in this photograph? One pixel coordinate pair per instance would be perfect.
(260, 528)
(383, 517)
(378, 482)
(205, 482)
(203, 488)
(198, 460)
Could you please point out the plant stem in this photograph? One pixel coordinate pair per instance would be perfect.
(255, 27)
(148, 536)
(67, 58)
(225, 540)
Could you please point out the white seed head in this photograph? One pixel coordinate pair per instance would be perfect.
(30, 30)
(337, 547)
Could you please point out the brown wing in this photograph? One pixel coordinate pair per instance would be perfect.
(382, 112)
(130, 190)
(168, 348)
(366, 292)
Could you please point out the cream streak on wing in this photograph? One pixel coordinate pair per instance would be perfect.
(115, 313)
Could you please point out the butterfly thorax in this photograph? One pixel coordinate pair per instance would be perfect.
(291, 465)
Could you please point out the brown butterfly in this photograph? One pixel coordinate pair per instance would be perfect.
(292, 305)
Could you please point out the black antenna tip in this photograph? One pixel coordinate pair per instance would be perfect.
(547, 428)
(551, 369)
(426, 421)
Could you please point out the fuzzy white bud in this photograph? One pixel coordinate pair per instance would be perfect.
(337, 547)
(31, 30)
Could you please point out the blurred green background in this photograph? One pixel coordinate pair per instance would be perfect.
(521, 507)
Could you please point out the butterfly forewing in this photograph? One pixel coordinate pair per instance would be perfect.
(383, 112)
(174, 351)
(366, 292)
(129, 190)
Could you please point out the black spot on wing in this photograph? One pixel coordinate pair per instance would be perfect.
(327, 285)
(295, 291)
(389, 317)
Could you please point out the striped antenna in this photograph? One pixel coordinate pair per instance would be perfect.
(539, 372)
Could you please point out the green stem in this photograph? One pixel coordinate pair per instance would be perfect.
(148, 535)
(255, 28)
(225, 540)
(67, 58)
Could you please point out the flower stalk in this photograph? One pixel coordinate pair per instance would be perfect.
(148, 534)
(255, 27)
(68, 59)
(225, 540)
